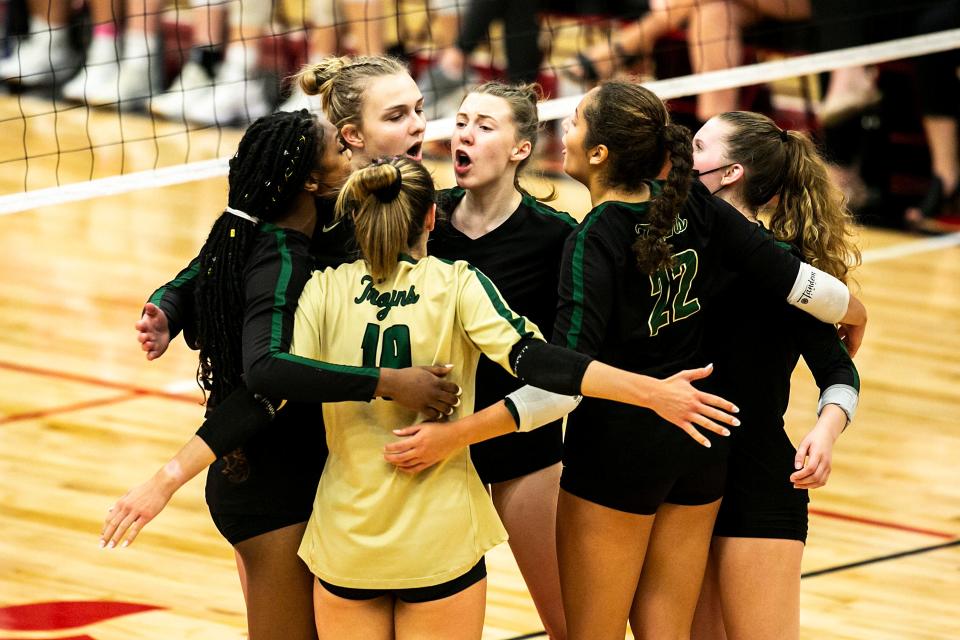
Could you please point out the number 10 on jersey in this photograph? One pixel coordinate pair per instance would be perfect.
(395, 353)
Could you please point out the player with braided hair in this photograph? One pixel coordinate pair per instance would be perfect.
(638, 501)
(249, 274)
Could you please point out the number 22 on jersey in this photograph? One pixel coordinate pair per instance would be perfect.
(671, 288)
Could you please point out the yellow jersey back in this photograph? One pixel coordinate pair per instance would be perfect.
(373, 526)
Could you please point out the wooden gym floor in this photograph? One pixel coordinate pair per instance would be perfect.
(84, 417)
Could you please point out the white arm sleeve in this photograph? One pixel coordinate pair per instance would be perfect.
(842, 395)
(819, 294)
(536, 407)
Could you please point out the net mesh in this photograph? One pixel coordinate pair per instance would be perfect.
(143, 87)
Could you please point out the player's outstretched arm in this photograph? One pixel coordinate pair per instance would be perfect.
(140, 505)
(674, 399)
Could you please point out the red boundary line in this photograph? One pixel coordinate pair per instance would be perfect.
(73, 377)
(881, 523)
(43, 413)
(134, 391)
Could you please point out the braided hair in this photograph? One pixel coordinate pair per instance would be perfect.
(633, 123)
(274, 159)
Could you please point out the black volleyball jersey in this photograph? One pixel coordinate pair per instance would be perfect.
(280, 262)
(333, 242)
(756, 342)
(284, 458)
(654, 324)
(521, 257)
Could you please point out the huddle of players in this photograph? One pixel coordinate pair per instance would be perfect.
(659, 276)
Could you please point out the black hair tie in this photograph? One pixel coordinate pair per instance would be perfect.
(390, 192)
(784, 136)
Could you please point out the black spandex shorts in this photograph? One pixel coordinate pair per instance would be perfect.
(760, 502)
(239, 527)
(633, 461)
(515, 455)
(420, 594)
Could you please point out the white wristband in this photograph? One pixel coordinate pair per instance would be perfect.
(842, 395)
(819, 294)
(536, 407)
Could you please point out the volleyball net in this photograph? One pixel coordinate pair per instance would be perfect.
(97, 104)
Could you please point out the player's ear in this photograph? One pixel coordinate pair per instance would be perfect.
(598, 155)
(352, 136)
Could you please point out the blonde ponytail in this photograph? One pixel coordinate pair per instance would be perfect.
(811, 211)
(388, 201)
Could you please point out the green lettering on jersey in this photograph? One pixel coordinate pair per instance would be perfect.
(395, 352)
(386, 300)
(673, 304)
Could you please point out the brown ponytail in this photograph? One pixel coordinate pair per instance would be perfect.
(389, 200)
(634, 126)
(811, 211)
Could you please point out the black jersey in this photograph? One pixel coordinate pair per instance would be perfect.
(756, 342)
(175, 299)
(333, 242)
(521, 257)
(653, 324)
(284, 457)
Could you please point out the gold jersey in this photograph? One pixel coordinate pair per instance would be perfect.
(374, 526)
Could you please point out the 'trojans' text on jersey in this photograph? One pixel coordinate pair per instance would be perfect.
(385, 301)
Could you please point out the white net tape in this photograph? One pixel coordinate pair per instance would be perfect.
(550, 110)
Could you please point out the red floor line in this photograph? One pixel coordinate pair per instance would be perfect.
(73, 377)
(43, 413)
(881, 523)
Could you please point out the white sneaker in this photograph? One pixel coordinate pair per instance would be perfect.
(300, 100)
(97, 82)
(235, 99)
(38, 59)
(139, 79)
(191, 85)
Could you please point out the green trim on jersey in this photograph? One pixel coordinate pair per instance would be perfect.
(191, 272)
(280, 301)
(576, 317)
(546, 210)
(283, 281)
(517, 322)
(853, 366)
(326, 366)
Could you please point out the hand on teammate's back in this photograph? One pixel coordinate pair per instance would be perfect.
(421, 389)
(687, 407)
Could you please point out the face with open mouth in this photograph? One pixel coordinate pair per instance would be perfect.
(575, 161)
(392, 122)
(484, 145)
